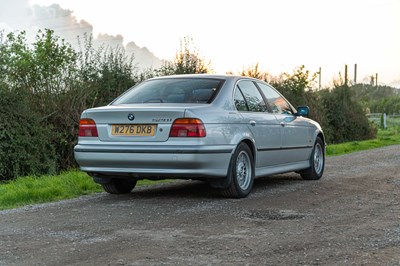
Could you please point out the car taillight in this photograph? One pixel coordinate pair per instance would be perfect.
(87, 128)
(188, 127)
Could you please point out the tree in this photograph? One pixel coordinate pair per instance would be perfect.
(255, 72)
(186, 61)
(295, 85)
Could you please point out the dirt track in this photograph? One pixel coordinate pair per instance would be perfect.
(349, 217)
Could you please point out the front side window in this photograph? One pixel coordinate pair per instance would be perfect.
(254, 100)
(278, 104)
(172, 90)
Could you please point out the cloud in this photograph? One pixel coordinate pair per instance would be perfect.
(61, 21)
(19, 15)
(110, 40)
(143, 56)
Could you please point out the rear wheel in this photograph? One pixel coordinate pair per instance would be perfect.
(317, 162)
(119, 186)
(241, 173)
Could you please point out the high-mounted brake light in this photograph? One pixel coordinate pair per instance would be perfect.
(188, 127)
(87, 128)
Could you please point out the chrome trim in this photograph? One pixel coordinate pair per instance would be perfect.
(153, 151)
(286, 148)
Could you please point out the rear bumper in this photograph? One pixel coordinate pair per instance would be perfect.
(155, 161)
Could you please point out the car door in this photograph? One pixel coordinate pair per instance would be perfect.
(262, 124)
(296, 137)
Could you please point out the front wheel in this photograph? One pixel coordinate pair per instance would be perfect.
(240, 174)
(119, 186)
(317, 162)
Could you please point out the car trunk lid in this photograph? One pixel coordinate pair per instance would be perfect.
(134, 123)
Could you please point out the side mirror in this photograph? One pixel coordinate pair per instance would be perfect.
(303, 111)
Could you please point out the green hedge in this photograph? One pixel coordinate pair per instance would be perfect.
(25, 146)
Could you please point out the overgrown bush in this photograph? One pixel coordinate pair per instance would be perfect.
(57, 83)
(346, 119)
(104, 72)
(25, 143)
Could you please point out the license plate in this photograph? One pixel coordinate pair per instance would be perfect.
(133, 130)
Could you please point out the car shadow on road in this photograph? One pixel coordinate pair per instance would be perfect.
(201, 190)
(174, 189)
(276, 180)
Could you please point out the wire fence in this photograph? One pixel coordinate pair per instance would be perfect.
(379, 119)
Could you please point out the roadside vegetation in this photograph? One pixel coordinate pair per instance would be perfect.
(385, 137)
(45, 86)
(74, 183)
(31, 190)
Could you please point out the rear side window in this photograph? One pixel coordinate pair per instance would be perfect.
(173, 90)
(240, 102)
(254, 102)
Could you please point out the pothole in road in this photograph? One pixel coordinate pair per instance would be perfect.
(274, 215)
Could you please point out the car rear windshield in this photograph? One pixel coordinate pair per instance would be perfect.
(173, 90)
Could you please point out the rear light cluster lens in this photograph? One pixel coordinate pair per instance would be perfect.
(87, 128)
(188, 127)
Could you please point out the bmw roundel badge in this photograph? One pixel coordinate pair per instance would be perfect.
(131, 117)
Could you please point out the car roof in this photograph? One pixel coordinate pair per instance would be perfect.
(215, 76)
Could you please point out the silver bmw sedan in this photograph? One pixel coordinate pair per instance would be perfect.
(222, 129)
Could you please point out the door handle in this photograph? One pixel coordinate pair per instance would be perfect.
(282, 124)
(252, 122)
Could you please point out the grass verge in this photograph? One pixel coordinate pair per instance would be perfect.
(384, 138)
(33, 190)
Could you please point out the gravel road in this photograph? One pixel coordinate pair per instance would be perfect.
(349, 217)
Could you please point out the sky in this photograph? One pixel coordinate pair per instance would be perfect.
(278, 35)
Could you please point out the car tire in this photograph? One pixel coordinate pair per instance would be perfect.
(119, 186)
(317, 162)
(240, 173)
